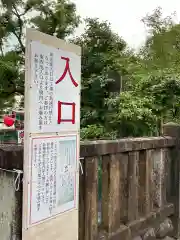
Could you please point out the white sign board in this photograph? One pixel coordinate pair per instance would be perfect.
(51, 136)
(55, 89)
(53, 183)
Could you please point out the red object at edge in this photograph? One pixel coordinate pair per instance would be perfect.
(9, 121)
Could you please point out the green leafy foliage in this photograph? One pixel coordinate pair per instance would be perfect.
(148, 93)
(101, 53)
(132, 115)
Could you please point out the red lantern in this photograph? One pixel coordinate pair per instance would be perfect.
(9, 121)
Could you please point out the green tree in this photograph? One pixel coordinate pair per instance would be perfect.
(156, 72)
(102, 51)
(145, 105)
(150, 77)
(161, 49)
(132, 115)
(56, 17)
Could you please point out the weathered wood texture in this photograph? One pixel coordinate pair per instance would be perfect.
(136, 184)
(173, 187)
(136, 188)
(91, 187)
(111, 192)
(104, 147)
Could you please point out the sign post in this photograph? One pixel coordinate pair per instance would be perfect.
(51, 138)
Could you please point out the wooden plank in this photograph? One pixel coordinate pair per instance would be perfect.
(133, 173)
(82, 201)
(91, 199)
(145, 182)
(123, 187)
(105, 192)
(173, 130)
(165, 160)
(168, 172)
(111, 193)
(158, 178)
(105, 147)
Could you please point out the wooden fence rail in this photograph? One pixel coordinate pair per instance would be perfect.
(135, 186)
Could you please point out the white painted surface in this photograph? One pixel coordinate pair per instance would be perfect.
(47, 66)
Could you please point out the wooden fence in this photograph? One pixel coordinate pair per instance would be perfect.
(136, 181)
(139, 193)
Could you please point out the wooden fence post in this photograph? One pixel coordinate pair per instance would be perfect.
(111, 193)
(91, 199)
(173, 130)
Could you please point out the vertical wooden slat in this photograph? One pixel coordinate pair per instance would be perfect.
(81, 202)
(168, 171)
(105, 192)
(173, 130)
(164, 176)
(91, 199)
(111, 193)
(123, 186)
(133, 185)
(158, 177)
(145, 182)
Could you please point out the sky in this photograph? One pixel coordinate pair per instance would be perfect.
(125, 15)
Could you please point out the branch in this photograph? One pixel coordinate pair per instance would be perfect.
(20, 28)
(25, 11)
(20, 42)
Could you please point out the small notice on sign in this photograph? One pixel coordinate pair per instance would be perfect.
(53, 181)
